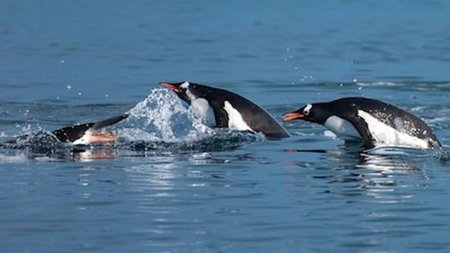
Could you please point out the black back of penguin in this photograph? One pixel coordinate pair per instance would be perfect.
(386, 113)
(75, 132)
(254, 116)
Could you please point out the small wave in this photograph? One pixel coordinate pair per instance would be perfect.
(408, 85)
(397, 151)
(442, 154)
(221, 140)
(400, 153)
(378, 84)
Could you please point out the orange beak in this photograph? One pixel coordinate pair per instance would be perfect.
(103, 136)
(170, 86)
(293, 115)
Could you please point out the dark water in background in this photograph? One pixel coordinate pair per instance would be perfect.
(64, 62)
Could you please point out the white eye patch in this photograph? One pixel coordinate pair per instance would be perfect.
(307, 109)
(184, 85)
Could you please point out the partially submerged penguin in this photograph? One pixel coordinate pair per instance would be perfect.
(373, 121)
(222, 108)
(88, 133)
(80, 134)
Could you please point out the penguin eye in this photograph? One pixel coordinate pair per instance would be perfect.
(306, 112)
(307, 109)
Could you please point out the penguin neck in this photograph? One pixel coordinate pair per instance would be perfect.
(319, 113)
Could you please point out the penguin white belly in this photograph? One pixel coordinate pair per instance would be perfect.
(384, 134)
(85, 139)
(235, 120)
(203, 110)
(341, 127)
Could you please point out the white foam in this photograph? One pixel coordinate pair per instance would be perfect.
(13, 158)
(136, 134)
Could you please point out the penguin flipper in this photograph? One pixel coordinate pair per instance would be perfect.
(75, 132)
(363, 130)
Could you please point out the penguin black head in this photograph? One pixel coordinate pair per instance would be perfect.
(184, 90)
(206, 102)
(310, 112)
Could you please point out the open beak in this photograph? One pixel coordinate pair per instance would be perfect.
(293, 115)
(170, 86)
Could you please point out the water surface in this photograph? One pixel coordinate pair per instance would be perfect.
(172, 184)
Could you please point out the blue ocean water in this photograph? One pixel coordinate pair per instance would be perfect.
(174, 185)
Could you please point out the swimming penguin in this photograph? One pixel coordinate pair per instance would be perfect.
(221, 108)
(88, 133)
(373, 121)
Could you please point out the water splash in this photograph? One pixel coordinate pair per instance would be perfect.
(162, 122)
(159, 123)
(161, 117)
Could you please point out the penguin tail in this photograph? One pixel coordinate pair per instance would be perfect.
(88, 133)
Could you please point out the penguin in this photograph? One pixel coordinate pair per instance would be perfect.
(375, 122)
(222, 108)
(88, 133)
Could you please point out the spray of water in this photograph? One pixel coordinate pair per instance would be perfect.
(161, 117)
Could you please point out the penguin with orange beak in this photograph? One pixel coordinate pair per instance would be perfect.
(375, 122)
(222, 108)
